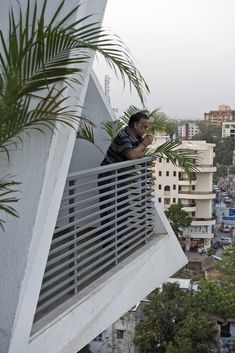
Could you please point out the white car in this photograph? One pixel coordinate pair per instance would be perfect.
(226, 241)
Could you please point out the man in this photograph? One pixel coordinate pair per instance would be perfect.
(128, 144)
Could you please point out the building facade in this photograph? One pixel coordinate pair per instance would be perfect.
(172, 186)
(186, 131)
(217, 117)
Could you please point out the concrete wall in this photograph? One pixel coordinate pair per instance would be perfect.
(41, 164)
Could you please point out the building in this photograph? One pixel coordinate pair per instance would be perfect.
(186, 131)
(217, 117)
(172, 186)
(228, 129)
(60, 285)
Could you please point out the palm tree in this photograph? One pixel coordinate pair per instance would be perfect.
(35, 56)
(186, 159)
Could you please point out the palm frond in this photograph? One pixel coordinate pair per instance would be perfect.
(86, 132)
(7, 188)
(112, 128)
(186, 159)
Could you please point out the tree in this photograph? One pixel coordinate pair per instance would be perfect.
(169, 324)
(227, 264)
(223, 146)
(216, 298)
(35, 56)
(178, 218)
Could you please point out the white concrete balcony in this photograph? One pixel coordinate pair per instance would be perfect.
(200, 235)
(111, 247)
(207, 168)
(190, 207)
(197, 195)
(203, 221)
(185, 181)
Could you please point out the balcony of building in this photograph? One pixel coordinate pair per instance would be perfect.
(189, 207)
(107, 252)
(203, 221)
(185, 181)
(207, 168)
(197, 195)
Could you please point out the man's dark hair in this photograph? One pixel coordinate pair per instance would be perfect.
(135, 118)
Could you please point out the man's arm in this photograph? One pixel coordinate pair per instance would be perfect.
(138, 152)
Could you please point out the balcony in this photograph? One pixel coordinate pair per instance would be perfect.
(198, 195)
(207, 168)
(185, 181)
(203, 221)
(190, 207)
(106, 254)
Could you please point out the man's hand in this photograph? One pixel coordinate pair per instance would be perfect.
(148, 139)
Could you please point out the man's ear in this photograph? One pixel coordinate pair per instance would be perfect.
(136, 125)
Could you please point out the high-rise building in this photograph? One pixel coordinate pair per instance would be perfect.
(217, 117)
(186, 131)
(173, 186)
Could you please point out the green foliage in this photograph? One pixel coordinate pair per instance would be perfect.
(85, 349)
(216, 298)
(211, 251)
(171, 324)
(178, 217)
(227, 265)
(223, 147)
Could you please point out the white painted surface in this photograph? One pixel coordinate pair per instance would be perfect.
(112, 295)
(42, 165)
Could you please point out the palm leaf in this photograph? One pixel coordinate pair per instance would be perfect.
(39, 55)
(112, 128)
(186, 159)
(86, 132)
(7, 188)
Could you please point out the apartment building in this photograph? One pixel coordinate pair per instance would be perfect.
(217, 117)
(67, 273)
(228, 129)
(172, 186)
(186, 131)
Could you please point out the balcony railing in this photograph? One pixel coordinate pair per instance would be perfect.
(197, 192)
(106, 214)
(188, 204)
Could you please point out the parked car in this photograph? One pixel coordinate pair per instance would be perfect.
(227, 200)
(226, 241)
(226, 229)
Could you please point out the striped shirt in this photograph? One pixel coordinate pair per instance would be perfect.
(123, 143)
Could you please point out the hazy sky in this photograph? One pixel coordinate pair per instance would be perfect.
(185, 50)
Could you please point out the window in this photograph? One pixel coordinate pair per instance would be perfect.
(179, 188)
(160, 160)
(174, 173)
(174, 187)
(160, 173)
(167, 173)
(167, 160)
(159, 200)
(159, 187)
(167, 188)
(167, 201)
(120, 334)
(174, 200)
(193, 187)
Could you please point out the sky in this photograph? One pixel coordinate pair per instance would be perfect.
(185, 49)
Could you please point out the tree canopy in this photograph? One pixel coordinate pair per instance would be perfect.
(178, 217)
(169, 324)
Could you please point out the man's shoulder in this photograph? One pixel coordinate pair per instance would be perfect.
(123, 134)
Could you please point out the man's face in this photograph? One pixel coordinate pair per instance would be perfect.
(141, 127)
